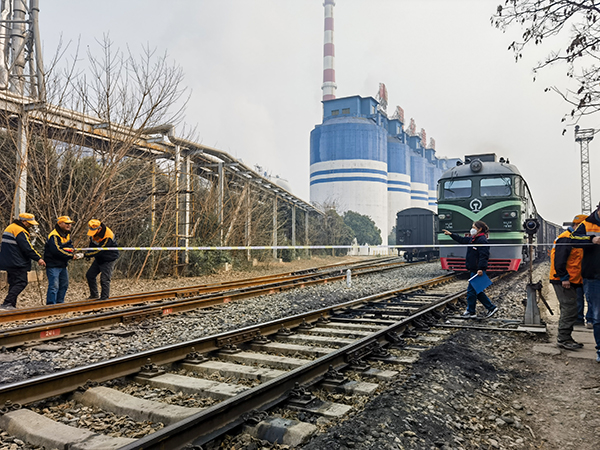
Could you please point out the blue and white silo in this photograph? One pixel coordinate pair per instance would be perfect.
(348, 159)
(399, 181)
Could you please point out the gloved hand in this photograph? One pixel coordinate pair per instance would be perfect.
(78, 256)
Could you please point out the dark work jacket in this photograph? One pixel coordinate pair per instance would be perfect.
(582, 238)
(59, 249)
(16, 251)
(477, 257)
(105, 238)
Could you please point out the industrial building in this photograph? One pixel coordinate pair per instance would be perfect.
(363, 161)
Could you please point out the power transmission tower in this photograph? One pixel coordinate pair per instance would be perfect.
(584, 137)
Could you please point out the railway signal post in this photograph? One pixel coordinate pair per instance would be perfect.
(532, 312)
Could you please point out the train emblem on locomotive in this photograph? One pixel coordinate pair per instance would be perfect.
(481, 188)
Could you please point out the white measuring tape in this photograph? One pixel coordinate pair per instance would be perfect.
(303, 247)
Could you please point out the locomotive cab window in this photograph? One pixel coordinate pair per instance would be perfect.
(457, 189)
(495, 187)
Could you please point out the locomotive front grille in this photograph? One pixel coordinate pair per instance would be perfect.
(494, 265)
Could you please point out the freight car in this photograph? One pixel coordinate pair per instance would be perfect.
(495, 192)
(417, 226)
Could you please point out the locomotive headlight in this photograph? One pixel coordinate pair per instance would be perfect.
(445, 216)
(509, 215)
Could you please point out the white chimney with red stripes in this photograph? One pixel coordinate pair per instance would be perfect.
(329, 85)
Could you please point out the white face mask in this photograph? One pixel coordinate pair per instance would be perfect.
(473, 231)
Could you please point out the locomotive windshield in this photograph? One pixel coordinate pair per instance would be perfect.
(457, 189)
(498, 186)
(495, 187)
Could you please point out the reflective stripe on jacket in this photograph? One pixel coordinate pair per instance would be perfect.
(105, 238)
(565, 260)
(16, 251)
(58, 250)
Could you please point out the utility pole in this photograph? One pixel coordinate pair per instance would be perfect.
(584, 137)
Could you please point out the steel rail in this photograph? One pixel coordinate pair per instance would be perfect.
(189, 291)
(206, 425)
(47, 386)
(61, 328)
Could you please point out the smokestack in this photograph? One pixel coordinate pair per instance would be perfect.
(329, 85)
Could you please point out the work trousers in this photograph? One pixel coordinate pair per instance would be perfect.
(592, 293)
(17, 282)
(473, 296)
(58, 283)
(105, 270)
(567, 300)
(581, 306)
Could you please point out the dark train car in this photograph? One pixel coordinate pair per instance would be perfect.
(417, 226)
(546, 235)
(495, 192)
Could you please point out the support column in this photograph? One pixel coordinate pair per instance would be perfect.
(177, 215)
(20, 200)
(220, 200)
(294, 230)
(37, 50)
(184, 203)
(274, 226)
(17, 50)
(248, 220)
(306, 242)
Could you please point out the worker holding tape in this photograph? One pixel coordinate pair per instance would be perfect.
(101, 237)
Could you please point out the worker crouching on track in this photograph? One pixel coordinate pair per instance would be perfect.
(565, 276)
(476, 261)
(57, 254)
(104, 260)
(16, 254)
(587, 236)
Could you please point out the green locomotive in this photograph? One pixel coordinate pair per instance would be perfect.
(495, 192)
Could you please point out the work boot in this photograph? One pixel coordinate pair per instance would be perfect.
(569, 345)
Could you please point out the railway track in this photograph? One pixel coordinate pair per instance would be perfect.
(92, 315)
(292, 357)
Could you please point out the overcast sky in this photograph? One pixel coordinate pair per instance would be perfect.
(254, 68)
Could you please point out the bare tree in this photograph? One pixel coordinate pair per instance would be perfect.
(108, 179)
(103, 174)
(576, 25)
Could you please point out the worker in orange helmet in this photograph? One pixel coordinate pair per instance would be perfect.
(101, 237)
(565, 277)
(16, 254)
(58, 251)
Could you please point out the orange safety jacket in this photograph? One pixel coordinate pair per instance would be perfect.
(582, 238)
(565, 260)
